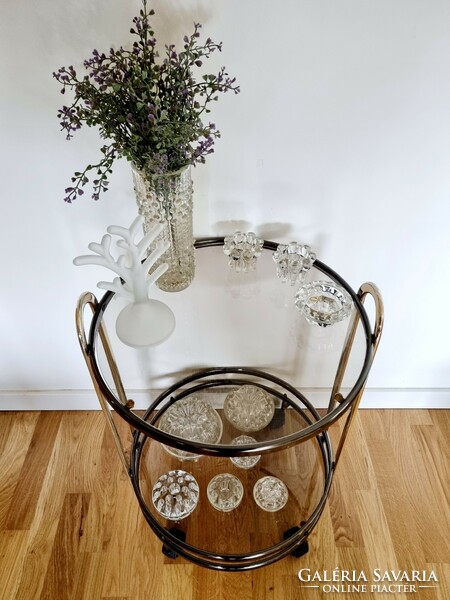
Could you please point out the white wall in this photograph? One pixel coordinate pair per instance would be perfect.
(340, 138)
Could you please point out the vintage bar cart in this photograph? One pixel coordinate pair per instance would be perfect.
(325, 365)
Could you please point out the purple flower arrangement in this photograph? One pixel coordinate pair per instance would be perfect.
(149, 109)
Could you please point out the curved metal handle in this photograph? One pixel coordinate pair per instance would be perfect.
(84, 300)
(372, 289)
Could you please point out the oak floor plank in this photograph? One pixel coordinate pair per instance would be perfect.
(442, 589)
(126, 521)
(28, 488)
(85, 443)
(400, 511)
(89, 575)
(11, 561)
(378, 543)
(86, 539)
(422, 487)
(15, 437)
(65, 555)
(47, 512)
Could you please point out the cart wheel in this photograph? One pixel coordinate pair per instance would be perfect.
(166, 550)
(302, 548)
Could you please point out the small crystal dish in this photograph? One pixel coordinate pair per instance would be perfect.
(270, 493)
(244, 462)
(323, 303)
(249, 408)
(192, 419)
(225, 492)
(175, 495)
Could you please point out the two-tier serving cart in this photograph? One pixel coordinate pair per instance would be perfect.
(315, 376)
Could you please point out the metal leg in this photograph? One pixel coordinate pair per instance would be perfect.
(89, 299)
(366, 288)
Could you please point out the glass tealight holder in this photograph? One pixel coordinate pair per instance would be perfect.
(192, 419)
(243, 250)
(175, 495)
(323, 303)
(249, 408)
(293, 262)
(225, 492)
(270, 493)
(244, 462)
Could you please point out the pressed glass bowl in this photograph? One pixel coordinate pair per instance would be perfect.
(175, 495)
(244, 462)
(225, 492)
(270, 493)
(323, 303)
(192, 419)
(249, 408)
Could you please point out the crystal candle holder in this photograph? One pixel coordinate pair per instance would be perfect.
(225, 492)
(323, 303)
(249, 408)
(192, 419)
(270, 493)
(293, 261)
(243, 250)
(175, 495)
(244, 462)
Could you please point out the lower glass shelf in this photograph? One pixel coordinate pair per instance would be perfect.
(247, 536)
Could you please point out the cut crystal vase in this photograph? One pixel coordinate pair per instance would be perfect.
(167, 198)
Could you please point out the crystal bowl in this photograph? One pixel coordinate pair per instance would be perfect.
(192, 419)
(249, 408)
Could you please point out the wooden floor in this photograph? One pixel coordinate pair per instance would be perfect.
(71, 528)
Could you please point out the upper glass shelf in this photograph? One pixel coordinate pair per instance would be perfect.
(234, 330)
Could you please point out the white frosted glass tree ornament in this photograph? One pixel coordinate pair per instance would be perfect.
(144, 321)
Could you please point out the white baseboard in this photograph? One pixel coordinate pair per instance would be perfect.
(87, 400)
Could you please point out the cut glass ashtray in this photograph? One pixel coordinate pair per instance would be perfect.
(270, 493)
(244, 462)
(225, 492)
(175, 495)
(192, 419)
(249, 408)
(323, 303)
